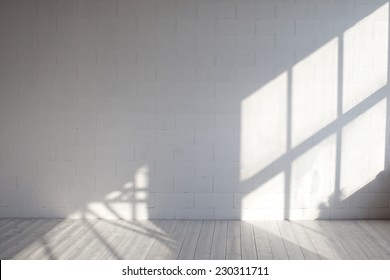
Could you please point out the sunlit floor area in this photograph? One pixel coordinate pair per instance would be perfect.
(195, 239)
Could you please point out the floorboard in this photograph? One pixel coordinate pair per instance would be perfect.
(177, 240)
(160, 247)
(218, 248)
(203, 248)
(248, 245)
(331, 231)
(278, 248)
(187, 251)
(290, 242)
(368, 247)
(380, 243)
(318, 239)
(348, 239)
(308, 250)
(233, 240)
(263, 246)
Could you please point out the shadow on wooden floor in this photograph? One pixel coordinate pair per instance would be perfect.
(193, 239)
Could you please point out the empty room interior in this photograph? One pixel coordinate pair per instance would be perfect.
(194, 129)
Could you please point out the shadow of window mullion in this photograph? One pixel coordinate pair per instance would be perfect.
(340, 67)
(287, 178)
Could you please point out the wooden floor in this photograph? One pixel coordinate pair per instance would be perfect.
(195, 239)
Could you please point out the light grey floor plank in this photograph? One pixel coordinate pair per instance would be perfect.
(365, 243)
(233, 240)
(381, 229)
(21, 236)
(330, 230)
(38, 248)
(111, 235)
(383, 226)
(124, 239)
(135, 239)
(263, 246)
(218, 248)
(5, 224)
(72, 226)
(348, 239)
(378, 228)
(103, 234)
(248, 245)
(177, 239)
(49, 244)
(290, 242)
(160, 247)
(63, 249)
(318, 239)
(62, 245)
(15, 228)
(278, 248)
(11, 234)
(149, 232)
(304, 241)
(203, 248)
(190, 242)
(380, 242)
(26, 246)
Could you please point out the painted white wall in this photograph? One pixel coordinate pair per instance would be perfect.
(216, 109)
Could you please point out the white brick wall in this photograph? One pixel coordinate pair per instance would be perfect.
(193, 109)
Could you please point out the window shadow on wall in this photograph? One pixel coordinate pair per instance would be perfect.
(330, 143)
